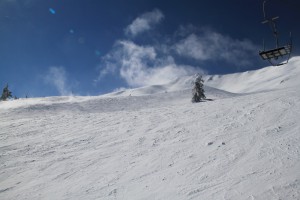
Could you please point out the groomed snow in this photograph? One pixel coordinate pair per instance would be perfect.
(153, 143)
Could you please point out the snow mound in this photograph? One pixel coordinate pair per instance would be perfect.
(183, 83)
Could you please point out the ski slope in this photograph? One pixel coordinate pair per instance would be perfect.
(153, 143)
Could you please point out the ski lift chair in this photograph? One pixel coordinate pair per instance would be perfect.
(276, 53)
(282, 52)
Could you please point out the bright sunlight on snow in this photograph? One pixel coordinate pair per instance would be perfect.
(153, 143)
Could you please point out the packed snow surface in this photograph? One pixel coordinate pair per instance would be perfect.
(153, 143)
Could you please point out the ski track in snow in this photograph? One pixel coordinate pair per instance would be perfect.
(160, 146)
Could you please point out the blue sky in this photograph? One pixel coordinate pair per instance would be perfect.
(92, 47)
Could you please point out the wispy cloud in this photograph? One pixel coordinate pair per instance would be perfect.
(142, 65)
(57, 77)
(144, 22)
(210, 45)
(182, 54)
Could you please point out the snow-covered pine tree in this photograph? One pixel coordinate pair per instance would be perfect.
(6, 93)
(198, 91)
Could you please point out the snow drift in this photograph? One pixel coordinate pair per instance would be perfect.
(153, 143)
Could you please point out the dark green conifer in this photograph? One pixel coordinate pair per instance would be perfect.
(6, 94)
(198, 91)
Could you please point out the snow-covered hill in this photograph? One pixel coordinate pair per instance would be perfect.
(269, 78)
(153, 143)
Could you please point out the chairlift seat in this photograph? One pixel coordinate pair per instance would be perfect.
(276, 53)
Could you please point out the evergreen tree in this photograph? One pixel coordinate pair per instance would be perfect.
(198, 91)
(6, 93)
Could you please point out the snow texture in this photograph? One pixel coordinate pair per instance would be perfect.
(153, 143)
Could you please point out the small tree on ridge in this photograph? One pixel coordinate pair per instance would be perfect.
(198, 91)
(6, 93)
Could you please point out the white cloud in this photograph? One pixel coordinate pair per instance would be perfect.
(152, 64)
(56, 76)
(209, 45)
(144, 22)
(141, 65)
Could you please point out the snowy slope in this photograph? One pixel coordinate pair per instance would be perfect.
(152, 143)
(268, 78)
(265, 79)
